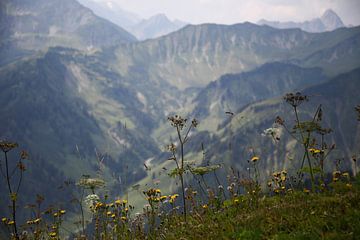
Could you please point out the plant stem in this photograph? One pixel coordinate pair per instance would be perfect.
(305, 144)
(13, 201)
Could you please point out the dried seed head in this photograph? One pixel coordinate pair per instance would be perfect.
(177, 121)
(295, 99)
(6, 146)
(279, 120)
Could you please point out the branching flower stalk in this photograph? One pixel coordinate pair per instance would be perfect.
(6, 147)
(295, 100)
(179, 123)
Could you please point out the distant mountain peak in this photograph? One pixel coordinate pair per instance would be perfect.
(329, 21)
(329, 12)
(155, 26)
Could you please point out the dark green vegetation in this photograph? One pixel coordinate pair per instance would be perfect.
(297, 215)
(96, 102)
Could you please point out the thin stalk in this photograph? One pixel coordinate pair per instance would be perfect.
(13, 201)
(182, 169)
(305, 144)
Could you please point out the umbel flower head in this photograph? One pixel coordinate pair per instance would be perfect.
(295, 99)
(6, 146)
(177, 121)
(91, 183)
(357, 108)
(91, 200)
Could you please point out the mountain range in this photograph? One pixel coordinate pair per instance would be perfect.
(152, 27)
(329, 21)
(86, 98)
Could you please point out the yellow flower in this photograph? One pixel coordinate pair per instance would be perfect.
(236, 201)
(163, 198)
(123, 218)
(118, 202)
(125, 201)
(255, 159)
(348, 185)
(205, 206)
(53, 234)
(346, 174)
(174, 196)
(158, 191)
(126, 209)
(56, 214)
(4, 219)
(306, 190)
(11, 223)
(38, 220)
(109, 213)
(29, 222)
(62, 212)
(113, 216)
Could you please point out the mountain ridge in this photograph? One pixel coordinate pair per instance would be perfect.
(329, 21)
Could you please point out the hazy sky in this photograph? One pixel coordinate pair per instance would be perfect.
(234, 11)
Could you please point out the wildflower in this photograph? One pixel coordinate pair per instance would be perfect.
(62, 212)
(171, 148)
(38, 220)
(346, 174)
(336, 174)
(29, 222)
(236, 201)
(295, 99)
(177, 121)
(56, 214)
(6, 146)
(255, 159)
(24, 154)
(53, 234)
(174, 196)
(270, 132)
(279, 120)
(125, 202)
(123, 218)
(91, 183)
(357, 108)
(113, 215)
(163, 198)
(348, 185)
(306, 190)
(109, 213)
(205, 206)
(194, 122)
(118, 202)
(11, 223)
(158, 191)
(91, 200)
(4, 219)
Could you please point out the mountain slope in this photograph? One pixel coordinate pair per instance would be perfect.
(58, 106)
(233, 91)
(40, 24)
(338, 97)
(111, 11)
(196, 55)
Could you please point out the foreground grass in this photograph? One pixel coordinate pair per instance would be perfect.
(298, 215)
